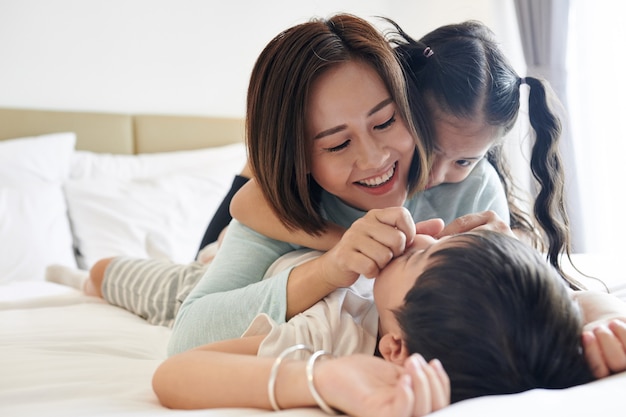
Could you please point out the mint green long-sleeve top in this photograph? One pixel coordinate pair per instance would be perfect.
(233, 290)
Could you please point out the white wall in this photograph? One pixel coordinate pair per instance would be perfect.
(176, 56)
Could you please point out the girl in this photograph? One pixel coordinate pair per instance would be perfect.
(472, 99)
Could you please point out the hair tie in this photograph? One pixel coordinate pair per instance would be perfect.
(428, 52)
(522, 80)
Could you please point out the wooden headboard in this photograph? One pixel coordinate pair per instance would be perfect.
(120, 133)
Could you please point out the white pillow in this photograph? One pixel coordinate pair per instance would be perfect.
(150, 205)
(34, 228)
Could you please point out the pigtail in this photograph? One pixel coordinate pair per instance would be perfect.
(547, 169)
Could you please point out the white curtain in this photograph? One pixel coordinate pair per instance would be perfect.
(543, 26)
(597, 105)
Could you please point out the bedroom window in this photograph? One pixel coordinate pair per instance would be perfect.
(597, 107)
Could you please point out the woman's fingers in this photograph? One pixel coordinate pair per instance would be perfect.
(375, 239)
(431, 227)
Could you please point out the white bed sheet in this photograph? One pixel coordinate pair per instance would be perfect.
(62, 353)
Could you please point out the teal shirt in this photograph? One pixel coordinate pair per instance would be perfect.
(480, 191)
(232, 291)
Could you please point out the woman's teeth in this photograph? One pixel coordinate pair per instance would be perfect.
(380, 180)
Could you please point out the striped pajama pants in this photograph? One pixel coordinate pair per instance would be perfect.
(153, 289)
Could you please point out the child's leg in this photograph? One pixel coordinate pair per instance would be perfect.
(93, 286)
(153, 289)
(90, 282)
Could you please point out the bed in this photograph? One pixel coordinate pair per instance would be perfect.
(78, 186)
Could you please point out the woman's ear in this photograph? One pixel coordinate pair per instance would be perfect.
(393, 349)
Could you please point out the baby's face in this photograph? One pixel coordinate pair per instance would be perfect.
(399, 276)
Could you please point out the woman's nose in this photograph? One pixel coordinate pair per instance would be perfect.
(372, 154)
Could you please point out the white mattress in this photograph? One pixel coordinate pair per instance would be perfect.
(62, 353)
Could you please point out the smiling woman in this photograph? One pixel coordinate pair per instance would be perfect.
(337, 79)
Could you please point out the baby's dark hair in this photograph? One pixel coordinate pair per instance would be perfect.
(498, 317)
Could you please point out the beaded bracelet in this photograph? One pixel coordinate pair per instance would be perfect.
(309, 378)
(271, 383)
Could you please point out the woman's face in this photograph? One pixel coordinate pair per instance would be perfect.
(460, 144)
(361, 149)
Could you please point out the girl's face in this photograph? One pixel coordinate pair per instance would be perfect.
(460, 145)
(360, 148)
(399, 276)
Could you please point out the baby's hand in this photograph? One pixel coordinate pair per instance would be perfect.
(367, 386)
(604, 342)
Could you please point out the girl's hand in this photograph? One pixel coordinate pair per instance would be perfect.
(365, 386)
(604, 343)
(486, 220)
(368, 246)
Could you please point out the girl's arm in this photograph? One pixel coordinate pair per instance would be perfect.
(250, 208)
(227, 374)
(604, 335)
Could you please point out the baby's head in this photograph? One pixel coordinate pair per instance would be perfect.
(496, 314)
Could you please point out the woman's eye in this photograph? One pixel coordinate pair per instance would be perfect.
(464, 163)
(387, 123)
(338, 147)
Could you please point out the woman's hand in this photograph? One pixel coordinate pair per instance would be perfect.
(365, 386)
(368, 246)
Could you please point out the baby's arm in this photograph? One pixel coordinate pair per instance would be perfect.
(604, 335)
(360, 385)
(250, 208)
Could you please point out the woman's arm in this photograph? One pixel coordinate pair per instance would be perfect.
(250, 207)
(232, 291)
(604, 335)
(359, 385)
(366, 248)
